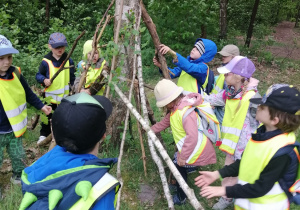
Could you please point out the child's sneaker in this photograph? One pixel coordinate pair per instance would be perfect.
(177, 201)
(191, 169)
(41, 139)
(223, 203)
(15, 179)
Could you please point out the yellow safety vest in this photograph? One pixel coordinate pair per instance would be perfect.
(179, 134)
(103, 186)
(59, 89)
(233, 121)
(189, 83)
(13, 99)
(219, 84)
(256, 157)
(92, 75)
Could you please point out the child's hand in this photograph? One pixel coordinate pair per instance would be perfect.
(156, 63)
(47, 82)
(86, 91)
(210, 192)
(164, 49)
(180, 161)
(206, 178)
(46, 109)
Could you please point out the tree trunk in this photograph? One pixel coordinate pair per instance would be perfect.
(203, 31)
(117, 118)
(251, 25)
(47, 7)
(297, 16)
(223, 19)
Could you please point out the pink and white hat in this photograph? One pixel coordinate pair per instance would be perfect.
(239, 65)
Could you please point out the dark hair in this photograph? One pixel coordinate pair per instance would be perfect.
(287, 122)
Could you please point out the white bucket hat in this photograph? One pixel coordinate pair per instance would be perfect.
(165, 92)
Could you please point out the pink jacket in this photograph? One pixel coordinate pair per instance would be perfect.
(208, 155)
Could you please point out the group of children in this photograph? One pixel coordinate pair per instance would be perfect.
(258, 170)
(255, 132)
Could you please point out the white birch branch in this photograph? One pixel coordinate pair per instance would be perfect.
(155, 157)
(188, 191)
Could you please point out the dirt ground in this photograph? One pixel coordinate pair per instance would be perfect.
(288, 40)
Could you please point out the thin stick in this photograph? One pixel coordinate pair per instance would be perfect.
(157, 160)
(116, 39)
(188, 191)
(68, 56)
(94, 44)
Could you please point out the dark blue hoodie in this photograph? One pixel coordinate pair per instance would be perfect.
(197, 68)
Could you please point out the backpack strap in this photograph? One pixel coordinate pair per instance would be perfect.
(17, 71)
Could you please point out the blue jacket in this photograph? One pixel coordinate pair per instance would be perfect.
(197, 68)
(43, 72)
(31, 98)
(59, 159)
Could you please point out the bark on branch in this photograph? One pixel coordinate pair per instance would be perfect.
(188, 191)
(152, 30)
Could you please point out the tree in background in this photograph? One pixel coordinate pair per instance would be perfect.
(223, 19)
(251, 25)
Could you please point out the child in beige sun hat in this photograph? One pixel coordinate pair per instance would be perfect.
(194, 148)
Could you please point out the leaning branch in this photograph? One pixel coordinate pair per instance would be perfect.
(188, 191)
(152, 30)
(62, 67)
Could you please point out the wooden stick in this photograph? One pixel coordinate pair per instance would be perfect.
(188, 191)
(34, 122)
(116, 39)
(94, 44)
(157, 160)
(67, 58)
(136, 82)
(152, 30)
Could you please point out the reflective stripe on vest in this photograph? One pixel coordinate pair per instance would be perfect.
(179, 134)
(92, 75)
(219, 84)
(13, 99)
(255, 158)
(59, 89)
(189, 83)
(100, 189)
(233, 121)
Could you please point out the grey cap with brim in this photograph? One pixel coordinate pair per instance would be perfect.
(6, 51)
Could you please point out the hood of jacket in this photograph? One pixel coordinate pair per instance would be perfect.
(210, 51)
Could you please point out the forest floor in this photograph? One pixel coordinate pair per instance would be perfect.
(286, 47)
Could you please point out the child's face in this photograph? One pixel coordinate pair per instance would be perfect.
(226, 59)
(195, 54)
(57, 52)
(230, 78)
(263, 115)
(5, 63)
(95, 58)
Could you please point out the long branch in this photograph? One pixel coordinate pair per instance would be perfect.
(154, 155)
(94, 48)
(188, 191)
(62, 67)
(152, 30)
(116, 40)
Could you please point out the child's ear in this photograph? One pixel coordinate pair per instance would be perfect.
(49, 46)
(275, 121)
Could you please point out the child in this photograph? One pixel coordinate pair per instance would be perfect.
(193, 72)
(94, 70)
(264, 172)
(238, 123)
(71, 176)
(49, 66)
(228, 52)
(15, 92)
(194, 148)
